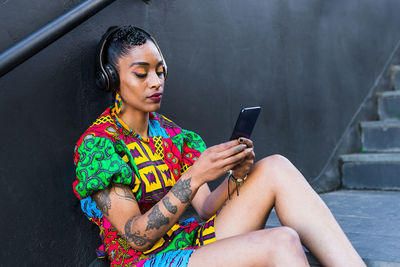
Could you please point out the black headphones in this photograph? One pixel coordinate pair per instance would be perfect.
(107, 77)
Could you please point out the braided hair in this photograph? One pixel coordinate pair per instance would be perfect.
(124, 39)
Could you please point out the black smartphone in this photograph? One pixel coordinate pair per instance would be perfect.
(245, 122)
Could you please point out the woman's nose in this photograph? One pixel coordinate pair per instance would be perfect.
(155, 81)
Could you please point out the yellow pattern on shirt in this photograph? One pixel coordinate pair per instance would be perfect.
(158, 171)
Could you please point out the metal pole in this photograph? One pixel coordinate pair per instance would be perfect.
(40, 39)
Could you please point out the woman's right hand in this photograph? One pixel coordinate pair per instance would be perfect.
(217, 160)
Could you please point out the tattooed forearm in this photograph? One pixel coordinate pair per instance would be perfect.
(156, 219)
(168, 205)
(124, 192)
(136, 237)
(103, 201)
(182, 191)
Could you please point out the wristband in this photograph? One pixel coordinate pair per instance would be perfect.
(238, 181)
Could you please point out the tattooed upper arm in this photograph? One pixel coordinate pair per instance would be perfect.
(124, 192)
(103, 201)
(104, 197)
(119, 205)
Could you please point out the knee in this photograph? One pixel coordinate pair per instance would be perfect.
(274, 166)
(274, 161)
(286, 235)
(284, 239)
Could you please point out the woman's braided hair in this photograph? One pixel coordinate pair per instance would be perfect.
(123, 40)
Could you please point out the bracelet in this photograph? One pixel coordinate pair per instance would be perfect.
(238, 181)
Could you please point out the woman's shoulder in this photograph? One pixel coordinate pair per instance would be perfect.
(100, 159)
(103, 126)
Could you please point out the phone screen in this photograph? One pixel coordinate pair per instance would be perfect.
(245, 122)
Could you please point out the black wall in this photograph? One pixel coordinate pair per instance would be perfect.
(308, 63)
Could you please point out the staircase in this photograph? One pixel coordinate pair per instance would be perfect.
(368, 210)
(368, 205)
(378, 164)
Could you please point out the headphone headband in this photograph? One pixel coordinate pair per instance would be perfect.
(107, 77)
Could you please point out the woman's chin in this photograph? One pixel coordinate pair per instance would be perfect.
(154, 107)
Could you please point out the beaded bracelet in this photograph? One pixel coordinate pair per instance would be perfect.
(238, 181)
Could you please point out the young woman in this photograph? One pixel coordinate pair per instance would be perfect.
(137, 172)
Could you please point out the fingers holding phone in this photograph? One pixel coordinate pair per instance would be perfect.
(250, 152)
(217, 160)
(242, 168)
(237, 154)
(246, 141)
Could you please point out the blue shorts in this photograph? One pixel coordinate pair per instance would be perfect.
(173, 258)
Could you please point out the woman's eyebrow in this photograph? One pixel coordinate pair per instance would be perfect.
(139, 63)
(144, 63)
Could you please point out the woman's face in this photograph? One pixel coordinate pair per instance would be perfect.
(141, 78)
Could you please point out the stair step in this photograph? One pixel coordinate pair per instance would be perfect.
(380, 136)
(371, 171)
(389, 105)
(395, 77)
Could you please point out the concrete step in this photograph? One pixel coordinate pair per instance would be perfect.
(395, 77)
(389, 105)
(380, 136)
(371, 171)
(370, 220)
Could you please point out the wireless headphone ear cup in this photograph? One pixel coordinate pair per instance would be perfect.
(113, 77)
(106, 75)
(101, 80)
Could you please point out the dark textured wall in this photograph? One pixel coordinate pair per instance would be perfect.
(308, 63)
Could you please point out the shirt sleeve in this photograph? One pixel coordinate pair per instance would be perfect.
(193, 146)
(98, 165)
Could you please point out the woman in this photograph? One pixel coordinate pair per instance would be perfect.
(137, 172)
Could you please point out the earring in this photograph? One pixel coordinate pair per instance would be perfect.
(118, 103)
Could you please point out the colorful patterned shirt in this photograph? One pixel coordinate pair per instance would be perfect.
(109, 152)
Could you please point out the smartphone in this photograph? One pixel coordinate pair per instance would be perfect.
(245, 122)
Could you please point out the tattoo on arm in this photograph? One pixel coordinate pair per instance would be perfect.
(156, 219)
(103, 201)
(182, 191)
(136, 237)
(124, 192)
(169, 206)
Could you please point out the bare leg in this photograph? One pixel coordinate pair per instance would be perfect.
(274, 247)
(274, 181)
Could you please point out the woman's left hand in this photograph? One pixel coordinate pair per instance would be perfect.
(241, 170)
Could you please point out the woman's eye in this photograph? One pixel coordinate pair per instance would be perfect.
(160, 70)
(140, 75)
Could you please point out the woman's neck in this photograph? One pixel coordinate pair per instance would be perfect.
(138, 121)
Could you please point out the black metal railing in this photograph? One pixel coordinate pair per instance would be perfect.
(40, 39)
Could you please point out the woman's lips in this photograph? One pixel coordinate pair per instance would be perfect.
(156, 97)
